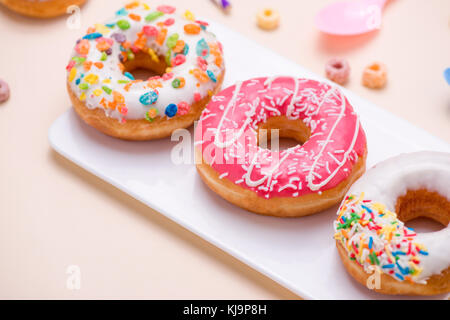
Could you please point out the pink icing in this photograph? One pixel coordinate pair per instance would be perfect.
(227, 136)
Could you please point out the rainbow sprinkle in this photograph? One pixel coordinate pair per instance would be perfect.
(374, 236)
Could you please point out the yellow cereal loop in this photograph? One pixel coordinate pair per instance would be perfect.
(153, 55)
(189, 15)
(268, 19)
(72, 74)
(91, 78)
(102, 28)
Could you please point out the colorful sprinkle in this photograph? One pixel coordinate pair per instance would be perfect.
(189, 15)
(192, 29)
(211, 76)
(166, 9)
(107, 89)
(178, 82)
(123, 24)
(363, 223)
(151, 114)
(129, 75)
(183, 108)
(148, 98)
(92, 36)
(172, 40)
(171, 110)
(202, 49)
(153, 16)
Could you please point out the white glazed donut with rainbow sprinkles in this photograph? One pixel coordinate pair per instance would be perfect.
(186, 57)
(370, 230)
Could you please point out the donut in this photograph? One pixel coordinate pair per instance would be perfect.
(370, 231)
(301, 180)
(186, 58)
(41, 8)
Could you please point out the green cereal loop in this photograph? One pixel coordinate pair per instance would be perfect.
(153, 16)
(176, 83)
(107, 90)
(123, 24)
(172, 40)
(84, 86)
(79, 60)
(168, 57)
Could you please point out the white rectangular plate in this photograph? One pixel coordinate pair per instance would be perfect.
(299, 253)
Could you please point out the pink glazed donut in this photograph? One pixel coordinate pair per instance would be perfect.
(233, 159)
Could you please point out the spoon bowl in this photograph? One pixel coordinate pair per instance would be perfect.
(350, 17)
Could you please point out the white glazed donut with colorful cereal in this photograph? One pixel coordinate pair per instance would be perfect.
(186, 57)
(298, 181)
(371, 235)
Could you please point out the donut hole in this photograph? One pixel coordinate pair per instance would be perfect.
(291, 133)
(143, 67)
(375, 67)
(337, 65)
(423, 210)
(268, 12)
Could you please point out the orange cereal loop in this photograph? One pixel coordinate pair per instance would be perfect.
(179, 46)
(268, 19)
(112, 105)
(132, 5)
(161, 36)
(99, 65)
(102, 46)
(154, 84)
(87, 65)
(103, 103)
(192, 28)
(118, 97)
(83, 47)
(219, 61)
(141, 42)
(375, 75)
(134, 17)
(200, 75)
(128, 85)
(126, 44)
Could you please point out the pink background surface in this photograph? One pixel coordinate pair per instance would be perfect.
(54, 214)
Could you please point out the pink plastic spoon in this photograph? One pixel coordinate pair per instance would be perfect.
(350, 17)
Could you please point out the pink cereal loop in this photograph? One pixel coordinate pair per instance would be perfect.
(4, 91)
(375, 75)
(337, 70)
(226, 136)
